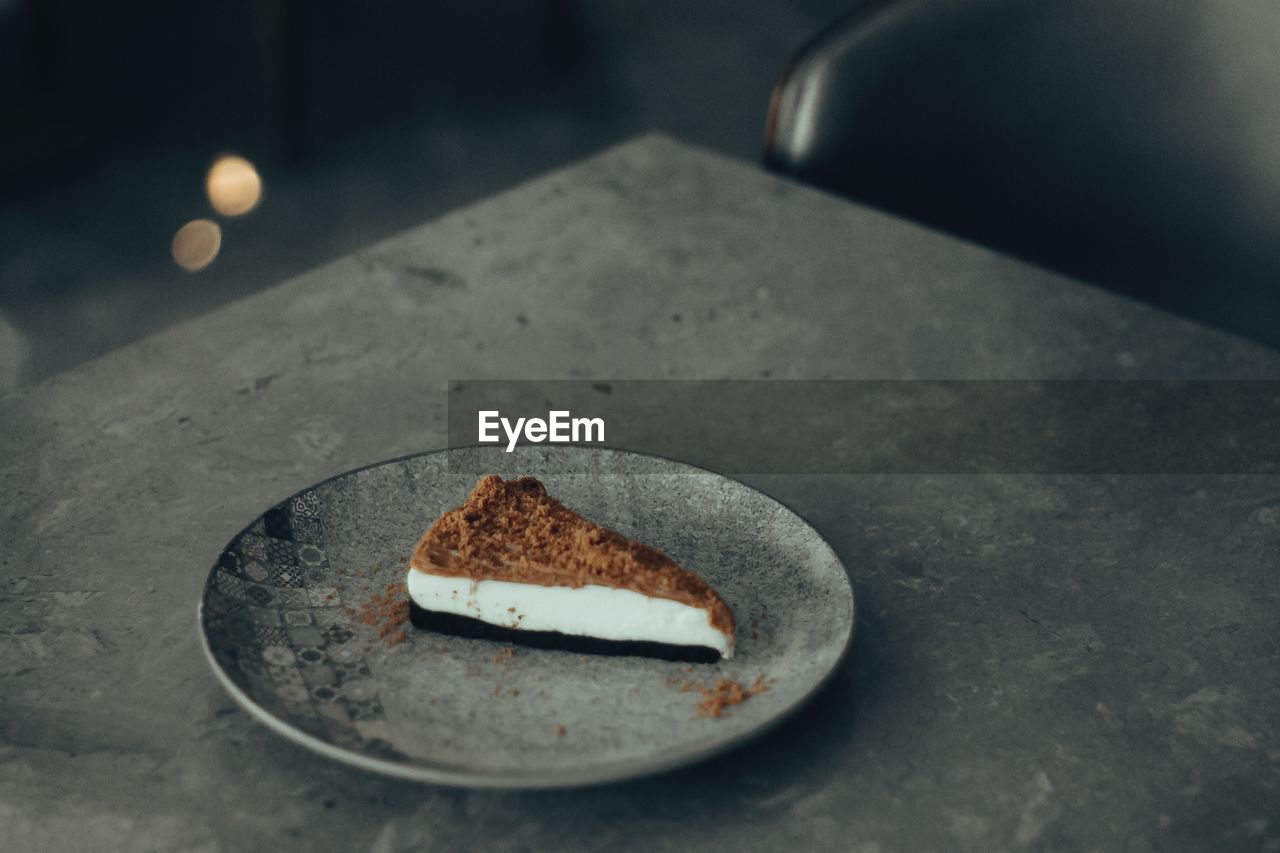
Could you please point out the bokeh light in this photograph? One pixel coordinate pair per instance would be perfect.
(233, 185)
(196, 244)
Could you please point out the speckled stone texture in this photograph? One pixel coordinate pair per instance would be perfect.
(1053, 663)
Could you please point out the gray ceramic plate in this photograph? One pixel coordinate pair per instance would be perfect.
(278, 625)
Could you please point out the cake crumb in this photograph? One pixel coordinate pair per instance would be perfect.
(386, 611)
(561, 731)
(726, 693)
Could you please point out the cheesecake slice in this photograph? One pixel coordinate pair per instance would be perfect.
(515, 565)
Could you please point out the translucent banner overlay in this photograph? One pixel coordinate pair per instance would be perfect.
(905, 426)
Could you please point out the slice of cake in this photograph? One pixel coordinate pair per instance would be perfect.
(515, 565)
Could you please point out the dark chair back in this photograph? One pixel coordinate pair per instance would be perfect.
(1132, 143)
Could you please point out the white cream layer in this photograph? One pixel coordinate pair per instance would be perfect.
(597, 611)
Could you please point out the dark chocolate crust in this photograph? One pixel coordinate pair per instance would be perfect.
(465, 626)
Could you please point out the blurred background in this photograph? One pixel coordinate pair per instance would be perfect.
(160, 159)
(360, 118)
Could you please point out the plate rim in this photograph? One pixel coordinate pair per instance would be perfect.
(618, 771)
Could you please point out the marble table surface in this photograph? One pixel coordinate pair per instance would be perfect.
(1042, 662)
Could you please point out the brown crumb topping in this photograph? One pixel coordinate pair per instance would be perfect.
(512, 530)
(727, 693)
(387, 610)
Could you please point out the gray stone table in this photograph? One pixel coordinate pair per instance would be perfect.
(1062, 663)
